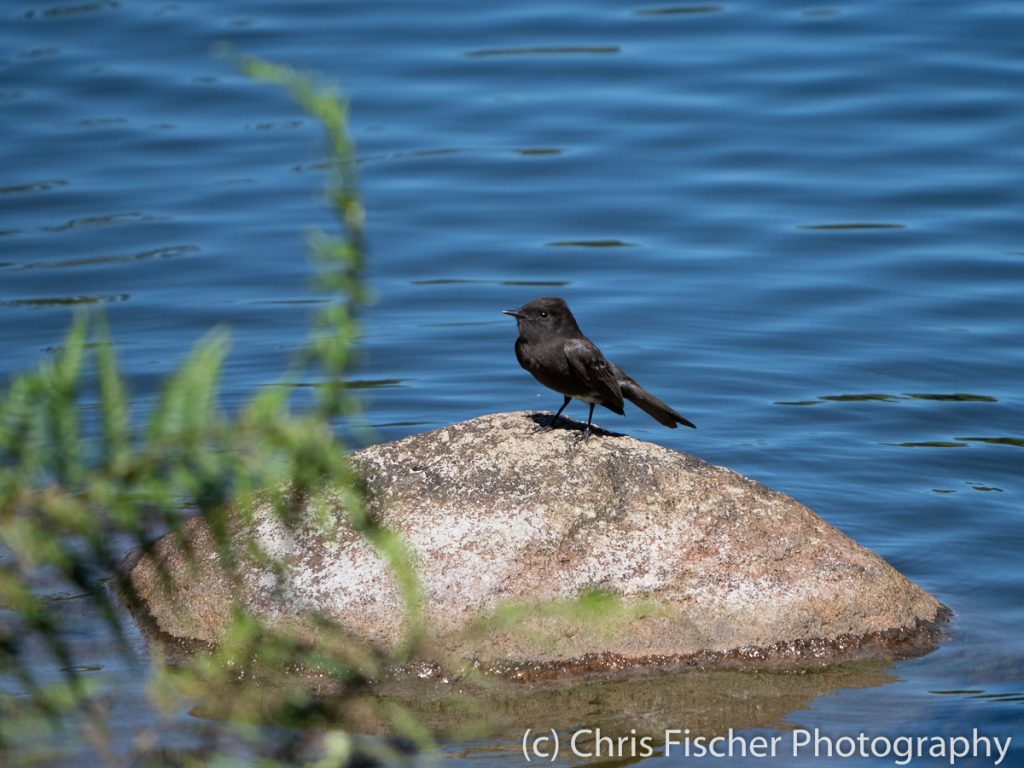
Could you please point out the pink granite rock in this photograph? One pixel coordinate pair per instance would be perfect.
(676, 560)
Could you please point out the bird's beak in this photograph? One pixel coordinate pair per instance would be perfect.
(514, 312)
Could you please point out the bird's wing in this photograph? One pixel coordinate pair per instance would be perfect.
(589, 364)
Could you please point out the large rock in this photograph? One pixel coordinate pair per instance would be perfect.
(535, 549)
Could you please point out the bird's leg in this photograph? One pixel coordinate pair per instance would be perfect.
(554, 418)
(586, 432)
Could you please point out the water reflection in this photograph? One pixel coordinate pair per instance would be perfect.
(708, 703)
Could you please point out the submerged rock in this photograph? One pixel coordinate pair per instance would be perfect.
(538, 554)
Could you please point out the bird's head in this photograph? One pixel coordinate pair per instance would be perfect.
(545, 316)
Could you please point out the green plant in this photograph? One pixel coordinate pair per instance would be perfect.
(78, 484)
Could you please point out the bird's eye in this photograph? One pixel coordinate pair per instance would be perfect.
(544, 315)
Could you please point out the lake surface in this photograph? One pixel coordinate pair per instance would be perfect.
(798, 223)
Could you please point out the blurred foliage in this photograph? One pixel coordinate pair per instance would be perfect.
(81, 481)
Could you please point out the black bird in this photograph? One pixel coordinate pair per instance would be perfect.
(553, 348)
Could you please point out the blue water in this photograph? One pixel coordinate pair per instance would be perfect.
(764, 212)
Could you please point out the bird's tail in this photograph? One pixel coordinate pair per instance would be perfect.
(651, 405)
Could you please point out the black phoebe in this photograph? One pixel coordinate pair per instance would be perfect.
(553, 348)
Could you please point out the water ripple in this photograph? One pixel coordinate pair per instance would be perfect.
(1015, 441)
(63, 301)
(544, 51)
(848, 227)
(591, 244)
(105, 221)
(165, 252)
(33, 186)
(71, 10)
(959, 397)
(679, 10)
